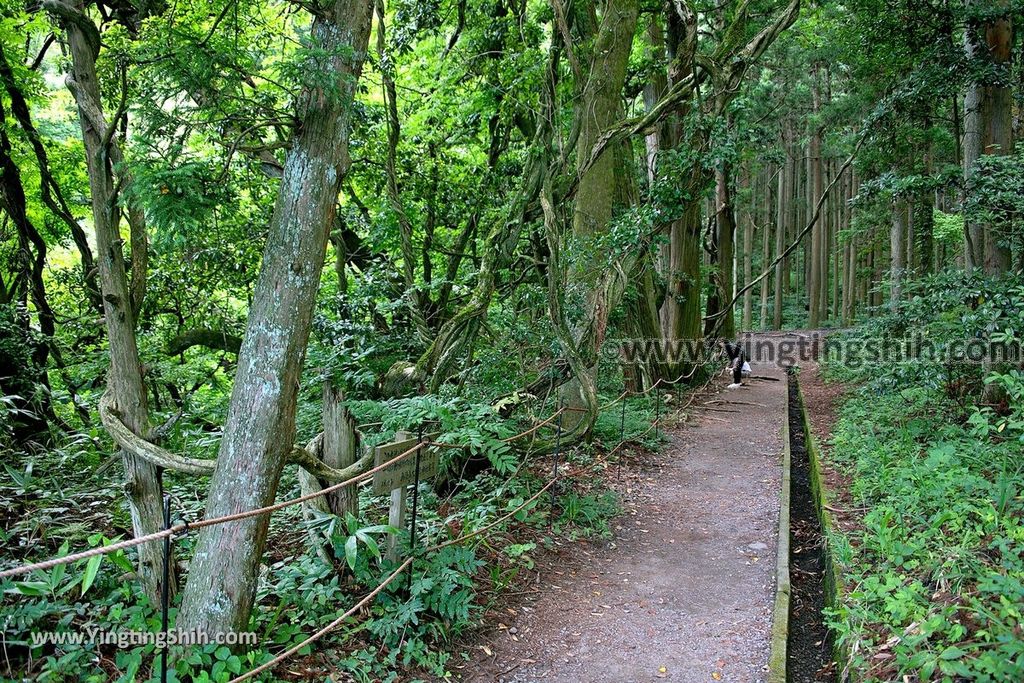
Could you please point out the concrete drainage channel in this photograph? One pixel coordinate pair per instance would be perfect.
(802, 646)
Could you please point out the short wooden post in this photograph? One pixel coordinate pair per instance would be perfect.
(396, 513)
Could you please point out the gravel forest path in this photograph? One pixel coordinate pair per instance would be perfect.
(685, 589)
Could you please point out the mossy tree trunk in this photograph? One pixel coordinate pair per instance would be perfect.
(988, 110)
(120, 303)
(260, 428)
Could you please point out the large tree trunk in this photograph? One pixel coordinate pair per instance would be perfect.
(897, 252)
(766, 246)
(988, 109)
(642, 322)
(991, 44)
(849, 255)
(600, 107)
(654, 89)
(260, 427)
(795, 205)
(816, 272)
(974, 232)
(600, 187)
(782, 219)
(338, 447)
(835, 252)
(748, 248)
(725, 228)
(681, 310)
(142, 479)
(877, 271)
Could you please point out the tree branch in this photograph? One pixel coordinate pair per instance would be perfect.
(211, 339)
(141, 448)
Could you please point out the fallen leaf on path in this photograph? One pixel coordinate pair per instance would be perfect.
(716, 675)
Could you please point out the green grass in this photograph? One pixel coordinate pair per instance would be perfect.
(933, 579)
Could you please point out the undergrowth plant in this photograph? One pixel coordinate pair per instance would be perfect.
(933, 574)
(412, 627)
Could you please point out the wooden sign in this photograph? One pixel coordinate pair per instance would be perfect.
(403, 472)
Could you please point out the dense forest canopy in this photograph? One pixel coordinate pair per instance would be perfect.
(241, 241)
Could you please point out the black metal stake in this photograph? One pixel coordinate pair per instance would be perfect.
(415, 502)
(554, 472)
(164, 590)
(622, 433)
(657, 413)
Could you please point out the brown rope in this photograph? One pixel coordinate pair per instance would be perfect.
(534, 428)
(493, 524)
(185, 527)
(103, 550)
(606, 406)
(442, 444)
(326, 629)
(696, 392)
(646, 391)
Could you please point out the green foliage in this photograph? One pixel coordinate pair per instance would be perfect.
(933, 574)
(946, 316)
(937, 564)
(588, 513)
(994, 192)
(357, 536)
(22, 395)
(988, 423)
(949, 229)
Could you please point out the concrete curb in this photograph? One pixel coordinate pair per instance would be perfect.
(819, 491)
(780, 617)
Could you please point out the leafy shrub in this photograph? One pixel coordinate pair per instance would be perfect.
(934, 573)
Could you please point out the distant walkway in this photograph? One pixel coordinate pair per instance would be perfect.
(685, 590)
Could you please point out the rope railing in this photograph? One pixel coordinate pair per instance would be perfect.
(326, 629)
(534, 428)
(433, 548)
(636, 437)
(634, 394)
(184, 527)
(380, 587)
(488, 527)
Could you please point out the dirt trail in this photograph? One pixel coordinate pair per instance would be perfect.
(685, 590)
